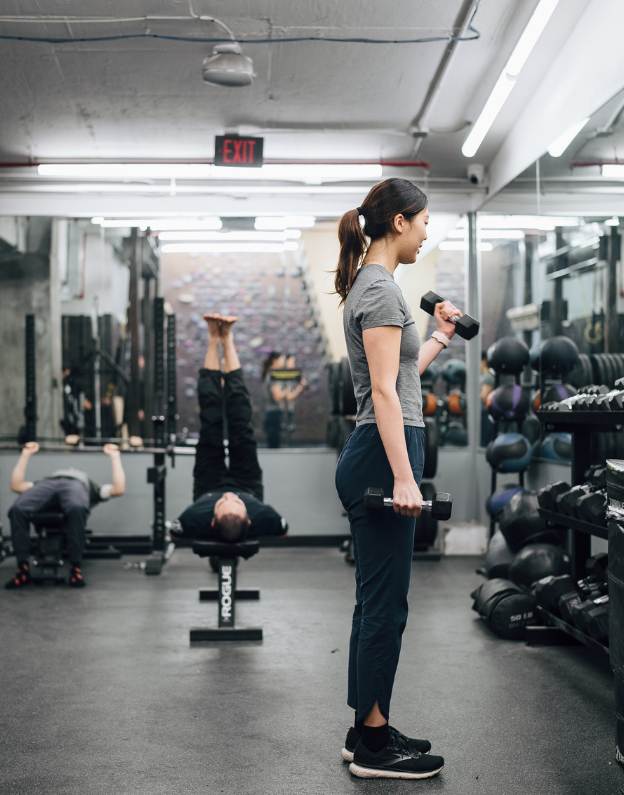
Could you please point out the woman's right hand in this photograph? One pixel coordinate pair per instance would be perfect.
(406, 497)
(30, 448)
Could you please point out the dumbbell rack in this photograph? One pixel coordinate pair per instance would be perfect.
(583, 425)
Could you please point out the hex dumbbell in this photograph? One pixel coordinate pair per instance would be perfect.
(467, 327)
(440, 506)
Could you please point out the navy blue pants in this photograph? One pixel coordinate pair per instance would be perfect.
(383, 542)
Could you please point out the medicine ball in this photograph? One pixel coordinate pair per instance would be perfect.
(430, 404)
(508, 402)
(531, 428)
(508, 355)
(498, 557)
(552, 393)
(509, 452)
(535, 561)
(496, 502)
(555, 447)
(454, 373)
(456, 403)
(505, 608)
(520, 522)
(555, 356)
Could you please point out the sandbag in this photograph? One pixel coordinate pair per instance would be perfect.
(498, 557)
(504, 607)
(536, 561)
(521, 523)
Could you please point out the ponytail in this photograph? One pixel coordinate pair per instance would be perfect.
(352, 249)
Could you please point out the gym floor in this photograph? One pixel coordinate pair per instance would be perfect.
(101, 692)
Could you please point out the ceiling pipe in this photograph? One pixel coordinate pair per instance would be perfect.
(595, 163)
(418, 127)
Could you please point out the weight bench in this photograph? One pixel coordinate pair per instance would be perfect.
(48, 546)
(225, 556)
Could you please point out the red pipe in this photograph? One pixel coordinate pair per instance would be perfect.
(594, 163)
(269, 161)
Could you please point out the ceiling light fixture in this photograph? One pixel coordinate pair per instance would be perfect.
(312, 173)
(158, 224)
(507, 78)
(284, 221)
(227, 66)
(613, 170)
(489, 234)
(459, 245)
(561, 143)
(546, 223)
(228, 248)
(225, 237)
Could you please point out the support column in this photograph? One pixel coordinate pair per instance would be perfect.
(473, 356)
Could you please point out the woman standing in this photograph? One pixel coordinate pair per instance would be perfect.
(386, 450)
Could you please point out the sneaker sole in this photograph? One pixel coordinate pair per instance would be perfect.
(371, 772)
(347, 756)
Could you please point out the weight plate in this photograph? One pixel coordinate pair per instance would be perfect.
(426, 526)
(431, 448)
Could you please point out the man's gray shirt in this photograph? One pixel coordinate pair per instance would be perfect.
(374, 300)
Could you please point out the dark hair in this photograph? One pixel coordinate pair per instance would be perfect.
(383, 202)
(266, 365)
(231, 528)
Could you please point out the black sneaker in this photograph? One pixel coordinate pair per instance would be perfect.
(413, 745)
(20, 579)
(394, 761)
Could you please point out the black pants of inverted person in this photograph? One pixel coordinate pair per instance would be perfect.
(383, 542)
(215, 401)
(51, 494)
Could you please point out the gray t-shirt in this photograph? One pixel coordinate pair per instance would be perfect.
(375, 299)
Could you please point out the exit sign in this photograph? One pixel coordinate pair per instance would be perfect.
(234, 150)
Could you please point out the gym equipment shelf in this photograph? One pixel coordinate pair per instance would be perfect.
(573, 523)
(574, 421)
(583, 425)
(569, 629)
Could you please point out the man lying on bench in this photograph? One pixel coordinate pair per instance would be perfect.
(228, 503)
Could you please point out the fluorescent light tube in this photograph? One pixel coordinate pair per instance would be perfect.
(560, 144)
(284, 221)
(613, 171)
(544, 223)
(459, 245)
(313, 173)
(507, 78)
(228, 248)
(490, 234)
(224, 237)
(160, 223)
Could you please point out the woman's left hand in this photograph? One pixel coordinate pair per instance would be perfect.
(442, 313)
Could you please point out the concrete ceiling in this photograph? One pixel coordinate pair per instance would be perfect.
(145, 99)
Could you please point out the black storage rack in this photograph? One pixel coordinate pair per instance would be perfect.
(583, 425)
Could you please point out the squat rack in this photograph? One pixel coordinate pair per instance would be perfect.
(164, 421)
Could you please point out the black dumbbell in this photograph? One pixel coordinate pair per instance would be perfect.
(466, 326)
(440, 506)
(547, 496)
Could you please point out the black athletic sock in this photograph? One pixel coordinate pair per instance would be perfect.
(375, 737)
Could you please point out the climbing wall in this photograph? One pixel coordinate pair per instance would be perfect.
(276, 311)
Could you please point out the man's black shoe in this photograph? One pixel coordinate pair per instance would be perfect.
(414, 745)
(394, 761)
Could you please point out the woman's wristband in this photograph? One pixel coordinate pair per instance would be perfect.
(440, 337)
